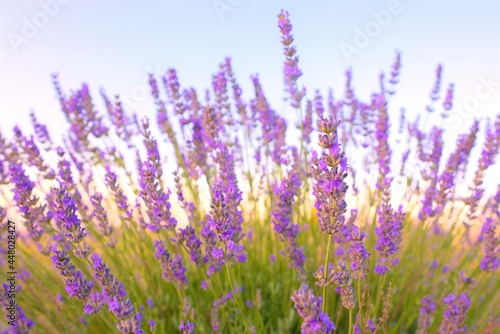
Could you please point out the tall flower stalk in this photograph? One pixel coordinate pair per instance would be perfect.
(329, 187)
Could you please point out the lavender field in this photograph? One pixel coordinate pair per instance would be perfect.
(221, 215)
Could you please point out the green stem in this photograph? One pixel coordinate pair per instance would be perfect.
(350, 321)
(325, 272)
(236, 298)
(359, 300)
(379, 293)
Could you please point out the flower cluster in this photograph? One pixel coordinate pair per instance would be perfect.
(389, 233)
(76, 284)
(491, 260)
(329, 172)
(221, 237)
(26, 202)
(426, 309)
(246, 194)
(102, 219)
(157, 201)
(455, 312)
(358, 253)
(292, 71)
(309, 308)
(341, 277)
(287, 231)
(172, 268)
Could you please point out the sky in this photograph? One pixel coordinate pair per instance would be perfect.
(115, 44)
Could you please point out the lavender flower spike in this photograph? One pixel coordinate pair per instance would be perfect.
(329, 172)
(281, 213)
(172, 268)
(490, 261)
(358, 253)
(389, 237)
(25, 201)
(424, 321)
(309, 308)
(76, 285)
(70, 223)
(292, 70)
(342, 279)
(221, 235)
(454, 314)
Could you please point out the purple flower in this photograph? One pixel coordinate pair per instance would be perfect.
(370, 325)
(389, 236)
(131, 325)
(66, 215)
(455, 314)
(121, 122)
(155, 198)
(309, 308)
(172, 87)
(329, 172)
(22, 324)
(272, 141)
(172, 268)
(307, 124)
(437, 87)
(111, 286)
(341, 277)
(456, 162)
(150, 302)
(215, 320)
(490, 261)
(76, 285)
(151, 324)
(31, 154)
(396, 67)
(382, 144)
(121, 201)
(26, 202)
(488, 154)
(291, 70)
(84, 120)
(100, 215)
(121, 308)
(41, 132)
(426, 310)
(358, 253)
(448, 101)
(186, 327)
(162, 115)
(95, 303)
(222, 231)
(281, 212)
(114, 295)
(219, 84)
(212, 127)
(196, 157)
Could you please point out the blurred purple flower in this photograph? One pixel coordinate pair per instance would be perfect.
(309, 308)
(490, 261)
(292, 71)
(426, 310)
(455, 314)
(172, 268)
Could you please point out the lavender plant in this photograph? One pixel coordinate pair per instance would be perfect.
(209, 220)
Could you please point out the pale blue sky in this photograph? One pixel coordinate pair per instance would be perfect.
(114, 44)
